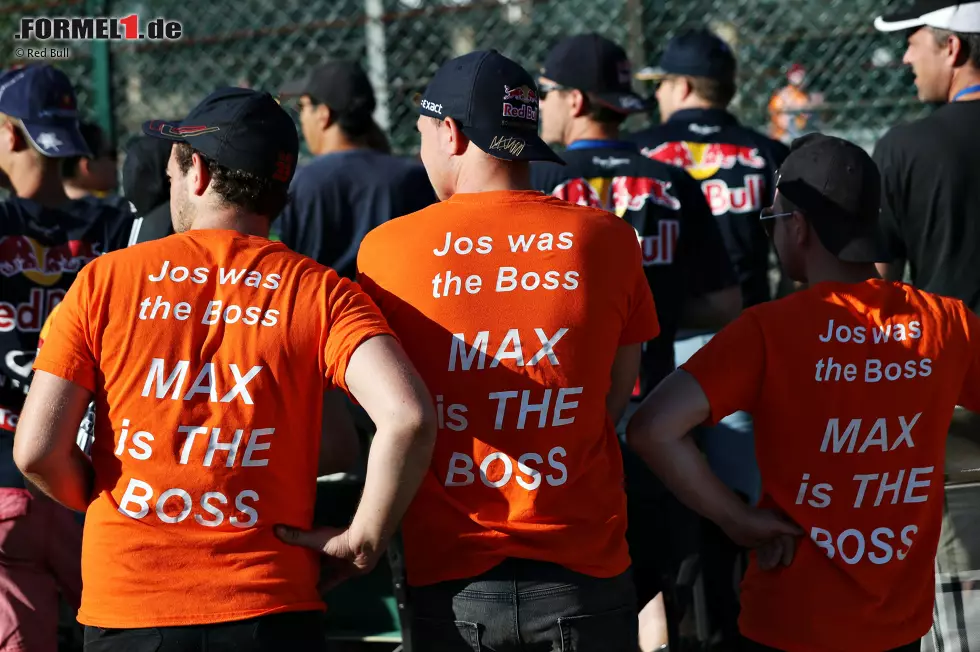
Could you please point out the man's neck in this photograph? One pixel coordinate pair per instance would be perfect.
(334, 141)
(231, 219)
(692, 103)
(839, 272)
(968, 77)
(32, 179)
(508, 176)
(75, 192)
(584, 129)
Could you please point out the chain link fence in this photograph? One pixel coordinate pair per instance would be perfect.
(262, 43)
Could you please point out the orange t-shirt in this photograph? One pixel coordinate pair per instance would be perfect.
(512, 306)
(852, 388)
(208, 354)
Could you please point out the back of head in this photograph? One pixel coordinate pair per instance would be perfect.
(343, 87)
(697, 69)
(594, 77)
(144, 176)
(836, 186)
(479, 111)
(235, 157)
(38, 105)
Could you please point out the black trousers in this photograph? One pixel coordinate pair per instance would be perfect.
(300, 631)
(751, 646)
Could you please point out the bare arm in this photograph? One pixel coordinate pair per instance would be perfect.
(625, 369)
(713, 310)
(339, 446)
(45, 448)
(659, 434)
(383, 380)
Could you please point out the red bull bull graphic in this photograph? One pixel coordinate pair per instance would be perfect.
(621, 194)
(44, 265)
(520, 94)
(703, 160)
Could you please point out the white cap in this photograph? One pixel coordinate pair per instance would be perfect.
(963, 17)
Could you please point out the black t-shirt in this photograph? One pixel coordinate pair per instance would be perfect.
(338, 198)
(41, 251)
(930, 209)
(683, 251)
(735, 167)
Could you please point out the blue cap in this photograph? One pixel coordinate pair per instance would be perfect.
(495, 103)
(696, 53)
(240, 129)
(43, 99)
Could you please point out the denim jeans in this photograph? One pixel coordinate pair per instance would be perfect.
(526, 606)
(299, 631)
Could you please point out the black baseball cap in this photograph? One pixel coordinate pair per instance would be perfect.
(494, 101)
(837, 186)
(240, 129)
(341, 84)
(594, 64)
(43, 99)
(963, 17)
(694, 53)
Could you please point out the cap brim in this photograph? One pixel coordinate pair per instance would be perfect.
(512, 144)
(626, 103)
(57, 139)
(650, 74)
(899, 21)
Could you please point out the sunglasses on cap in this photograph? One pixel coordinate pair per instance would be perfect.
(768, 218)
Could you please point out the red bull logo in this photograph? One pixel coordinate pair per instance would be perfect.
(703, 160)
(44, 265)
(520, 93)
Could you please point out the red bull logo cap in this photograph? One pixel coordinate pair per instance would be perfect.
(240, 129)
(43, 99)
(495, 103)
(596, 66)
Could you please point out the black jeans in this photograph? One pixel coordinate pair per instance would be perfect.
(751, 646)
(300, 631)
(526, 606)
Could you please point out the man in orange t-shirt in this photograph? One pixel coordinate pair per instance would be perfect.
(525, 315)
(208, 353)
(852, 384)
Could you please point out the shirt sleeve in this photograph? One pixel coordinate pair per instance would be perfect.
(970, 392)
(730, 367)
(708, 267)
(641, 323)
(352, 319)
(68, 346)
(889, 219)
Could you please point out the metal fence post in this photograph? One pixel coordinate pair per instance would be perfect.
(101, 87)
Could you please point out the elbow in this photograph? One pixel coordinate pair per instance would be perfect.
(28, 461)
(419, 423)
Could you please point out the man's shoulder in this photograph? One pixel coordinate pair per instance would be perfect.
(911, 135)
(398, 231)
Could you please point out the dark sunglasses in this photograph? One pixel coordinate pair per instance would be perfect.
(768, 218)
(544, 89)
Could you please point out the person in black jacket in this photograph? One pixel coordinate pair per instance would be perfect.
(146, 186)
(585, 95)
(735, 167)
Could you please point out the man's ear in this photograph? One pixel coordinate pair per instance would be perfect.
(801, 229)
(451, 138)
(12, 138)
(578, 103)
(199, 176)
(84, 166)
(324, 115)
(686, 87)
